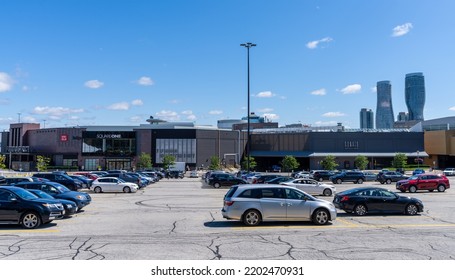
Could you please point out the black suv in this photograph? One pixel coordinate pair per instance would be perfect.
(321, 175)
(225, 180)
(389, 177)
(61, 178)
(18, 206)
(356, 177)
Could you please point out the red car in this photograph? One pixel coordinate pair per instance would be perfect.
(428, 182)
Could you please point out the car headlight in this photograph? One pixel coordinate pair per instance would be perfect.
(69, 206)
(80, 197)
(47, 205)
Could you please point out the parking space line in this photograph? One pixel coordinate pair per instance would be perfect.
(28, 231)
(347, 225)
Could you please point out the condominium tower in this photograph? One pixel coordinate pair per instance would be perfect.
(415, 95)
(384, 110)
(366, 118)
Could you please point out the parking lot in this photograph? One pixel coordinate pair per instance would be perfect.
(181, 219)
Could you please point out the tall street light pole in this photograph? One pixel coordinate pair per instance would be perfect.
(248, 46)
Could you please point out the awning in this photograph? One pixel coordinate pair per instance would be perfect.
(280, 153)
(413, 154)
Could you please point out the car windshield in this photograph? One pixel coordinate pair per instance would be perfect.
(415, 177)
(42, 194)
(121, 180)
(24, 194)
(61, 188)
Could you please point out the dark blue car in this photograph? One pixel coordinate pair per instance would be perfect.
(70, 206)
(59, 191)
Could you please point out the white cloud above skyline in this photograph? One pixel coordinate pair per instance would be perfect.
(315, 44)
(401, 30)
(137, 102)
(168, 115)
(452, 108)
(350, 89)
(216, 112)
(145, 81)
(94, 84)
(333, 114)
(271, 117)
(55, 111)
(319, 92)
(265, 94)
(120, 106)
(6, 82)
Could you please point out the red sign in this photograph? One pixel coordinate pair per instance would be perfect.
(64, 137)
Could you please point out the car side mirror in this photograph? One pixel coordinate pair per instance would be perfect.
(13, 199)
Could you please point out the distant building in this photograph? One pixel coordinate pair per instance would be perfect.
(366, 118)
(415, 95)
(384, 110)
(227, 124)
(402, 117)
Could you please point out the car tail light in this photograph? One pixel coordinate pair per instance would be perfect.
(254, 181)
(228, 203)
(344, 198)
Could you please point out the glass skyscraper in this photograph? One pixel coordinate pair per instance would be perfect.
(384, 110)
(366, 118)
(415, 95)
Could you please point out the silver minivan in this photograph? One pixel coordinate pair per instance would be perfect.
(253, 204)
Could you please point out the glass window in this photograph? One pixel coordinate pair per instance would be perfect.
(292, 194)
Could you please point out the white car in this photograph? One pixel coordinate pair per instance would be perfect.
(113, 184)
(449, 171)
(311, 186)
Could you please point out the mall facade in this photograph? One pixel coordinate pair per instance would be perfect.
(118, 147)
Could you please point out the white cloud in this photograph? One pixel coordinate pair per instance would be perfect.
(93, 84)
(271, 117)
(401, 30)
(265, 94)
(6, 82)
(145, 81)
(321, 92)
(322, 123)
(187, 112)
(314, 44)
(137, 102)
(374, 89)
(136, 119)
(121, 106)
(216, 112)
(7, 120)
(168, 115)
(265, 110)
(191, 117)
(333, 114)
(55, 111)
(351, 89)
(452, 108)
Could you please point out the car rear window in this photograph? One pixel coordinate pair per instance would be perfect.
(231, 192)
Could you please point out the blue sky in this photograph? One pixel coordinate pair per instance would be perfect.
(67, 63)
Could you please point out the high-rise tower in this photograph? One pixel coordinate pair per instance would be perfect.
(366, 118)
(415, 95)
(384, 110)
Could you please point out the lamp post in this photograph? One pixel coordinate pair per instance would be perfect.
(418, 160)
(248, 46)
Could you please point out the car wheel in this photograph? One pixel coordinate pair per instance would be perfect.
(441, 188)
(320, 179)
(30, 220)
(217, 185)
(412, 189)
(97, 189)
(327, 192)
(360, 181)
(388, 181)
(126, 190)
(320, 217)
(360, 210)
(339, 181)
(412, 209)
(251, 218)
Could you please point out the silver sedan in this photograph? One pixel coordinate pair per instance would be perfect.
(311, 186)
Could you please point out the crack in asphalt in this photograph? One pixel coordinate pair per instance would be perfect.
(13, 249)
(91, 249)
(215, 251)
(291, 247)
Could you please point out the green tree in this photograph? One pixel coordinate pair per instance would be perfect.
(329, 163)
(42, 163)
(144, 161)
(2, 162)
(290, 163)
(215, 163)
(168, 161)
(253, 163)
(361, 162)
(400, 160)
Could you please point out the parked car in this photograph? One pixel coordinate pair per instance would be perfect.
(253, 204)
(449, 171)
(276, 168)
(113, 184)
(370, 176)
(260, 179)
(356, 177)
(127, 178)
(361, 201)
(278, 180)
(193, 174)
(391, 176)
(61, 178)
(177, 174)
(15, 180)
(418, 171)
(311, 186)
(424, 181)
(19, 206)
(302, 174)
(224, 181)
(86, 182)
(59, 191)
(321, 175)
(89, 175)
(69, 206)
